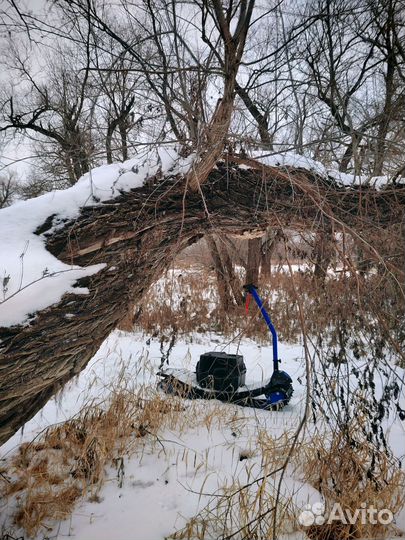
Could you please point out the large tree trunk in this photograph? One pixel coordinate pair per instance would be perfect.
(253, 261)
(224, 289)
(108, 140)
(137, 236)
(323, 252)
(123, 128)
(350, 152)
(323, 256)
(229, 288)
(234, 281)
(267, 249)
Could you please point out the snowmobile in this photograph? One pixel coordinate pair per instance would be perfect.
(221, 376)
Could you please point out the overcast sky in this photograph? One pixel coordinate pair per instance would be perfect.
(16, 154)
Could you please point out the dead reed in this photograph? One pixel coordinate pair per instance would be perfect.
(350, 471)
(343, 315)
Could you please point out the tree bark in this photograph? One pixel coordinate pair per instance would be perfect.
(224, 289)
(381, 143)
(123, 128)
(215, 133)
(323, 252)
(267, 249)
(234, 282)
(350, 152)
(229, 288)
(108, 140)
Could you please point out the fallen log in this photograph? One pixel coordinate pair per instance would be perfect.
(137, 235)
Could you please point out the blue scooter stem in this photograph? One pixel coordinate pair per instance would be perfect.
(252, 290)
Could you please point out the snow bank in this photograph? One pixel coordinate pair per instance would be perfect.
(33, 279)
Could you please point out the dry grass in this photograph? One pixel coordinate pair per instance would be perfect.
(342, 315)
(68, 462)
(49, 475)
(347, 469)
(187, 302)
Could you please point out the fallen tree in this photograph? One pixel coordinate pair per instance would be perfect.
(138, 234)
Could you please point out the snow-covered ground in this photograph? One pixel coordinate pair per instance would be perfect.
(161, 488)
(168, 482)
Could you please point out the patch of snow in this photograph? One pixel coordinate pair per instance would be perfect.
(45, 291)
(291, 159)
(161, 485)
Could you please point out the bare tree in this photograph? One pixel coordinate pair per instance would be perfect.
(115, 88)
(350, 52)
(386, 18)
(56, 113)
(9, 188)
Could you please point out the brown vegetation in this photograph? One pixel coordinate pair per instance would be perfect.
(49, 475)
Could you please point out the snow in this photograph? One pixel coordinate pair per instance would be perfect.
(140, 357)
(291, 159)
(169, 481)
(32, 278)
(161, 487)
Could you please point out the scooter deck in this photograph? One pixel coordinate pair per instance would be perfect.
(182, 382)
